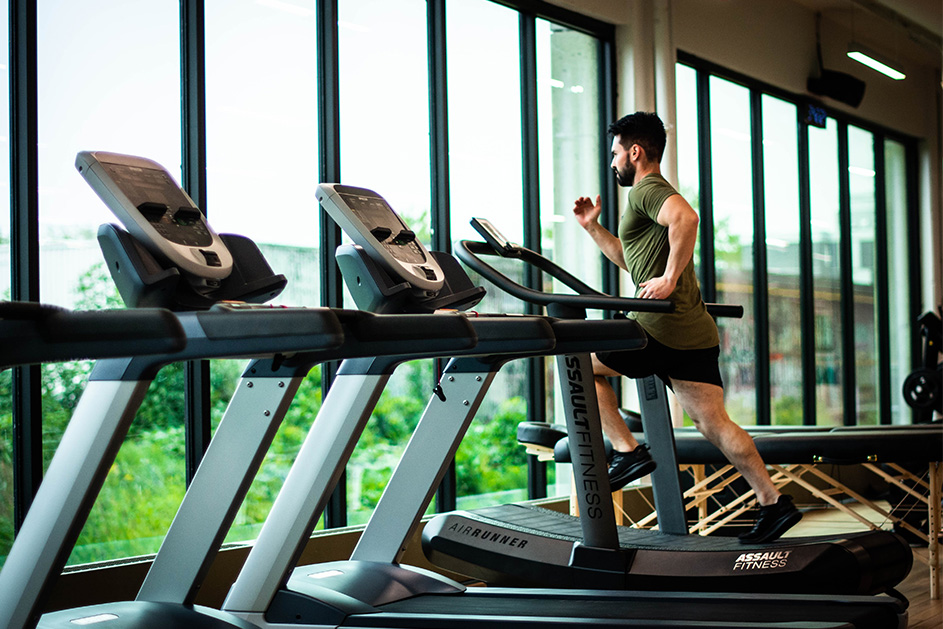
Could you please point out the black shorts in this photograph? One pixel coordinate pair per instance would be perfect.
(696, 365)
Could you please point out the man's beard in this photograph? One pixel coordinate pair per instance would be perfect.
(625, 177)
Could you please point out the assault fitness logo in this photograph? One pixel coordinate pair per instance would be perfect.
(761, 561)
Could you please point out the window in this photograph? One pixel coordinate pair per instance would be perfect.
(733, 241)
(689, 169)
(570, 133)
(836, 328)
(106, 111)
(781, 187)
(861, 177)
(385, 147)
(262, 164)
(484, 118)
(485, 179)
(826, 273)
(900, 319)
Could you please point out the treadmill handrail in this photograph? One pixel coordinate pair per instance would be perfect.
(469, 251)
(36, 333)
(587, 296)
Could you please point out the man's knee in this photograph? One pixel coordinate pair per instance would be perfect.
(717, 425)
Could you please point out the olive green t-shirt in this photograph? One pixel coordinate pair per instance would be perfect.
(645, 248)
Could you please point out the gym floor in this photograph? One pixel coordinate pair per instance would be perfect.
(924, 613)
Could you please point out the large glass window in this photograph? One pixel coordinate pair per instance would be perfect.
(731, 165)
(781, 187)
(385, 102)
(385, 147)
(570, 133)
(864, 272)
(826, 272)
(485, 179)
(127, 102)
(834, 329)
(900, 322)
(485, 157)
(262, 165)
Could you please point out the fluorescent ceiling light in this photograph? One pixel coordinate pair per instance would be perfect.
(861, 172)
(873, 60)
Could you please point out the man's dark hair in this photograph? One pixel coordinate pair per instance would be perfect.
(643, 128)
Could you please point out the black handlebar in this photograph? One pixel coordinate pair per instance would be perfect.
(587, 297)
(35, 333)
(468, 251)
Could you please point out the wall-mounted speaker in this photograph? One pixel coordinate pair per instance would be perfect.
(837, 85)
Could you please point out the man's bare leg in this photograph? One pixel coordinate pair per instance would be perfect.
(705, 404)
(629, 461)
(613, 425)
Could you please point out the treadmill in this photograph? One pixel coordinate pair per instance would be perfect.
(170, 257)
(373, 589)
(869, 562)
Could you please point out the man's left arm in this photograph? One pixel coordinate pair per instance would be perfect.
(682, 221)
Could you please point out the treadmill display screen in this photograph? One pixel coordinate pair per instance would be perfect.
(386, 227)
(152, 191)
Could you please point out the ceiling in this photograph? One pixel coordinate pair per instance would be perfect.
(923, 17)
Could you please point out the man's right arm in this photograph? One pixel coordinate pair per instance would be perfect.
(587, 215)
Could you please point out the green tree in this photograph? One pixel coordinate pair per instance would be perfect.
(490, 458)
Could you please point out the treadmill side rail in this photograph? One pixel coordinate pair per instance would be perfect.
(326, 449)
(66, 495)
(435, 440)
(217, 490)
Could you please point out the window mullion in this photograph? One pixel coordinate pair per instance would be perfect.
(806, 278)
(24, 246)
(883, 293)
(760, 276)
(708, 276)
(446, 496)
(329, 136)
(536, 383)
(193, 145)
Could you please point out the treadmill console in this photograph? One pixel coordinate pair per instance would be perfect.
(369, 220)
(494, 237)
(159, 214)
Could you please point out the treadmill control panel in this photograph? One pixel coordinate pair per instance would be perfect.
(370, 222)
(155, 210)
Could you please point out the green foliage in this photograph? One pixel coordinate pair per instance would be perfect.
(379, 449)
(6, 463)
(490, 458)
(139, 499)
(787, 411)
(728, 248)
(96, 291)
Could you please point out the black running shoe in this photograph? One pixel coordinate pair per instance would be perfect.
(772, 521)
(625, 467)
